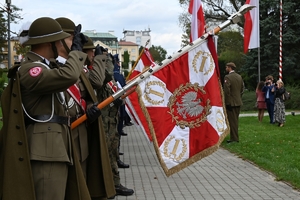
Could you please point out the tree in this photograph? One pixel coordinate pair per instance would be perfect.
(215, 12)
(14, 17)
(158, 53)
(125, 63)
(230, 49)
(269, 42)
(220, 10)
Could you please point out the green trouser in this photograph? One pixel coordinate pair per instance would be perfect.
(112, 140)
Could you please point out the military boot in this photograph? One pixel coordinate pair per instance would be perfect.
(123, 191)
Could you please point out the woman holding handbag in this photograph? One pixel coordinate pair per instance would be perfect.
(279, 107)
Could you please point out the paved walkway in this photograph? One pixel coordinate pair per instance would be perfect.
(221, 175)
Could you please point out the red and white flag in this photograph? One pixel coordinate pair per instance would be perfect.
(251, 27)
(183, 106)
(133, 101)
(198, 21)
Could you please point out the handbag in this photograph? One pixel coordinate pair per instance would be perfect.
(286, 96)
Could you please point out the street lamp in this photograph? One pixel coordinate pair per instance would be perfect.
(8, 2)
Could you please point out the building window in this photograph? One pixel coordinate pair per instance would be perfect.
(138, 40)
(132, 50)
(133, 58)
(16, 58)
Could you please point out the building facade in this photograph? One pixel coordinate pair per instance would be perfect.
(14, 57)
(138, 37)
(105, 39)
(131, 48)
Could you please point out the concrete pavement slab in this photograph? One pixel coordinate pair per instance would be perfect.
(219, 176)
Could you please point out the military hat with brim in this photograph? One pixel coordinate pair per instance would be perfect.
(66, 24)
(43, 30)
(89, 44)
(232, 65)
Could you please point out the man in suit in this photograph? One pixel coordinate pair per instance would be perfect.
(233, 90)
(269, 90)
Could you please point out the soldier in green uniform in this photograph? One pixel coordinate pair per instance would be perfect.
(110, 119)
(79, 96)
(35, 138)
(233, 90)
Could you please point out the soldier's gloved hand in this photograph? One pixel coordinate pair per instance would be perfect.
(93, 113)
(118, 102)
(99, 50)
(79, 39)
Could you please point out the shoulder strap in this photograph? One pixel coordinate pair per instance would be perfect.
(12, 71)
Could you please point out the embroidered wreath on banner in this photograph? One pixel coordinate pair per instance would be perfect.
(148, 91)
(189, 106)
(205, 56)
(184, 149)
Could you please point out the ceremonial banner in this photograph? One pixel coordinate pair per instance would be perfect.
(251, 27)
(183, 105)
(133, 108)
(197, 21)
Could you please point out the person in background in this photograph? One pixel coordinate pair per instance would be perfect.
(269, 91)
(233, 90)
(260, 100)
(121, 80)
(279, 107)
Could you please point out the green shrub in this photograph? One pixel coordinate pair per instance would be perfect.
(249, 99)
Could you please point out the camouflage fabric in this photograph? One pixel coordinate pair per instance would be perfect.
(110, 121)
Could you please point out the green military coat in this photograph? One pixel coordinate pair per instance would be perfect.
(15, 170)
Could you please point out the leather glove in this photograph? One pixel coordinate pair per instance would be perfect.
(118, 102)
(93, 113)
(79, 39)
(99, 50)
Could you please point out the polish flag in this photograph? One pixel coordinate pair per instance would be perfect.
(251, 27)
(198, 21)
(183, 106)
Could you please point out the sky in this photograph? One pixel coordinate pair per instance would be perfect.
(160, 16)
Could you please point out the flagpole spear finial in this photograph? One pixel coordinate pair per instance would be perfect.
(235, 17)
(147, 42)
(137, 60)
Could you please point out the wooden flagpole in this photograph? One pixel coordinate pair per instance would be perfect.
(136, 62)
(130, 86)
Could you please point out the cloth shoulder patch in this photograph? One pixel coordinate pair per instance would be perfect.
(35, 71)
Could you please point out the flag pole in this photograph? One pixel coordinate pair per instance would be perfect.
(280, 43)
(233, 19)
(258, 59)
(137, 60)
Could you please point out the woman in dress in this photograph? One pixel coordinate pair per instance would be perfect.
(279, 107)
(260, 100)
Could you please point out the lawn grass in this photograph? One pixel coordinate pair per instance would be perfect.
(272, 148)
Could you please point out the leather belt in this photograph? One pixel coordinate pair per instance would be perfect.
(55, 119)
